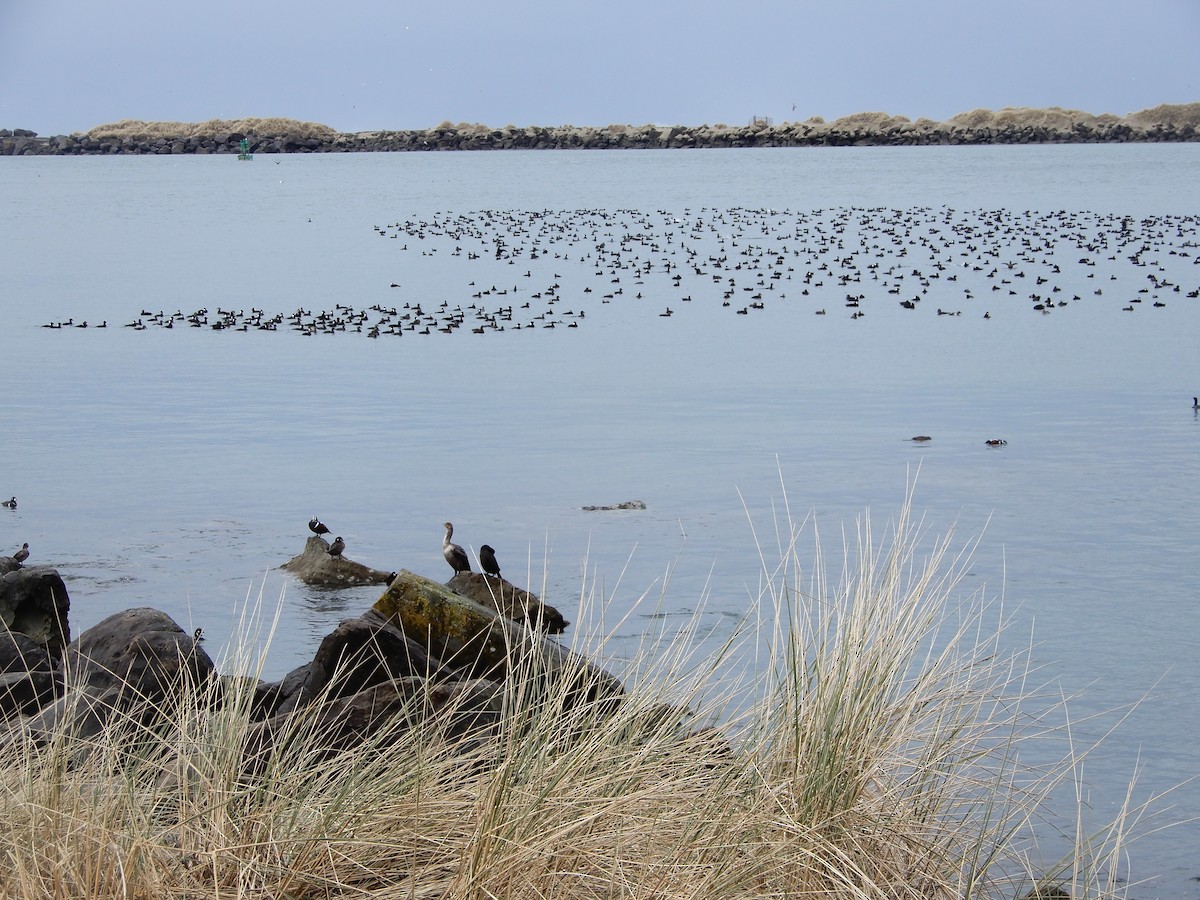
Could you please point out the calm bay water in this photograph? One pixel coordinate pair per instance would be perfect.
(177, 468)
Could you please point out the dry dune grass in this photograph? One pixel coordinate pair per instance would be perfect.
(138, 130)
(1177, 114)
(869, 121)
(873, 753)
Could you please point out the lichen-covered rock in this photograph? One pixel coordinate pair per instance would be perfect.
(34, 602)
(466, 635)
(509, 600)
(316, 566)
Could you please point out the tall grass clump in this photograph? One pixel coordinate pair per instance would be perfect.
(856, 737)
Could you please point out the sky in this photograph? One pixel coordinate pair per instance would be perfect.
(365, 65)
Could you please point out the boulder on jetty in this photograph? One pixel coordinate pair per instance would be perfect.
(315, 566)
(509, 600)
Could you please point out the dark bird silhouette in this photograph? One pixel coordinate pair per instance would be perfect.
(316, 526)
(1195, 405)
(336, 548)
(23, 554)
(455, 555)
(487, 561)
(11, 504)
(197, 635)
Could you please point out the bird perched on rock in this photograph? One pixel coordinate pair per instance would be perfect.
(455, 555)
(197, 635)
(316, 526)
(23, 554)
(11, 504)
(487, 560)
(336, 548)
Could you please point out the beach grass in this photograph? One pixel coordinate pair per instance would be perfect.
(857, 735)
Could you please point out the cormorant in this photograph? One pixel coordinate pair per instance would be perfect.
(316, 526)
(487, 560)
(455, 555)
(336, 548)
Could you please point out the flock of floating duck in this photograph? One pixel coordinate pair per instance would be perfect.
(746, 260)
(455, 555)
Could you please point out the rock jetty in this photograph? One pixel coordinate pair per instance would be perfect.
(1165, 123)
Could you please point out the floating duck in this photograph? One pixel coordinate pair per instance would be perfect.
(11, 504)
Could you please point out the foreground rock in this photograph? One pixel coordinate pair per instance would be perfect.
(138, 662)
(34, 602)
(315, 566)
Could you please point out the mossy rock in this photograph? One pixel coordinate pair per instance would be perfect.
(467, 635)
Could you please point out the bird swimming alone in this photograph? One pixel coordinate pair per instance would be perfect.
(11, 504)
(455, 555)
(316, 526)
(336, 548)
(23, 554)
(487, 561)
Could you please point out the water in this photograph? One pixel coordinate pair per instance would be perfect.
(178, 468)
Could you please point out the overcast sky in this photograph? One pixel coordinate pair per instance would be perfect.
(358, 65)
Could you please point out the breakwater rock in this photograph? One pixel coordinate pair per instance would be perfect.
(1166, 123)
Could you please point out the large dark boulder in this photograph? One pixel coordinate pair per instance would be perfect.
(315, 566)
(34, 602)
(139, 659)
(360, 653)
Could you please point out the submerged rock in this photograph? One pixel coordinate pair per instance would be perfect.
(316, 566)
(628, 504)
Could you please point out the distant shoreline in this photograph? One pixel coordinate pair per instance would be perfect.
(1178, 123)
